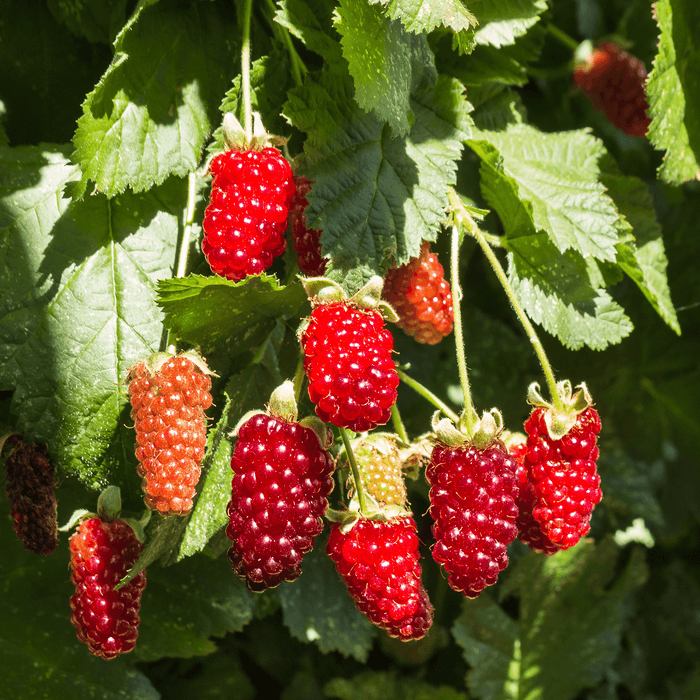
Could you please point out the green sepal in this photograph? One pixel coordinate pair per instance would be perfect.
(109, 504)
(139, 525)
(77, 517)
(323, 432)
(283, 403)
(244, 419)
(369, 296)
(561, 419)
(488, 429)
(321, 290)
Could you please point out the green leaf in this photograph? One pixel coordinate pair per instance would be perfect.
(376, 198)
(317, 608)
(673, 90)
(386, 62)
(310, 21)
(210, 311)
(568, 633)
(150, 113)
(97, 20)
(501, 22)
(642, 254)
(382, 685)
(78, 305)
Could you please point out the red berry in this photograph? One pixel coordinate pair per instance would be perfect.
(168, 398)
(614, 82)
(422, 298)
(101, 555)
(347, 358)
(379, 563)
(472, 501)
(282, 477)
(529, 530)
(30, 489)
(245, 221)
(306, 241)
(563, 475)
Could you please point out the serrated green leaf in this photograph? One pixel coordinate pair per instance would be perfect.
(382, 685)
(310, 21)
(557, 175)
(150, 113)
(210, 311)
(426, 15)
(640, 253)
(385, 61)
(185, 605)
(568, 633)
(317, 608)
(501, 22)
(78, 305)
(376, 198)
(673, 90)
(496, 108)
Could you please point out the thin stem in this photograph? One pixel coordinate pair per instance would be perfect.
(398, 424)
(469, 412)
(562, 37)
(298, 67)
(245, 69)
(355, 471)
(299, 376)
(427, 394)
(473, 229)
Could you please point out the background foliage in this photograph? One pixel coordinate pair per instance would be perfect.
(106, 107)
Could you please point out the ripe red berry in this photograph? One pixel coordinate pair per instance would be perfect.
(30, 489)
(306, 241)
(101, 555)
(421, 297)
(614, 82)
(472, 501)
(168, 398)
(379, 563)
(282, 477)
(347, 358)
(529, 530)
(565, 483)
(245, 221)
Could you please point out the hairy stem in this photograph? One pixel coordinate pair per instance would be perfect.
(245, 69)
(427, 394)
(398, 424)
(359, 490)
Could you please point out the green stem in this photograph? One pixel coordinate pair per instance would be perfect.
(470, 416)
(562, 37)
(398, 424)
(427, 394)
(245, 69)
(298, 67)
(355, 471)
(299, 376)
(470, 225)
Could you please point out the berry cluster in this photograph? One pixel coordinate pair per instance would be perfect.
(421, 296)
(30, 490)
(306, 241)
(101, 555)
(282, 477)
(245, 221)
(347, 358)
(168, 398)
(379, 562)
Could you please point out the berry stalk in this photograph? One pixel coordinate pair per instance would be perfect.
(298, 67)
(399, 427)
(359, 490)
(465, 219)
(427, 394)
(245, 69)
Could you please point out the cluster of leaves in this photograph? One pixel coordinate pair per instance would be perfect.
(108, 110)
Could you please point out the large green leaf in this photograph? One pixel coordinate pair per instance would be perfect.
(150, 113)
(310, 21)
(376, 197)
(388, 686)
(673, 90)
(568, 631)
(78, 305)
(502, 21)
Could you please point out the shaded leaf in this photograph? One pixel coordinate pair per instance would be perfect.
(310, 21)
(382, 685)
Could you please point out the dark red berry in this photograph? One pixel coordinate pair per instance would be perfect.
(472, 501)
(614, 82)
(347, 358)
(245, 221)
(30, 489)
(565, 483)
(421, 297)
(101, 555)
(379, 563)
(168, 398)
(282, 477)
(306, 241)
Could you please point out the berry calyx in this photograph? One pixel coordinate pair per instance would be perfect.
(31, 491)
(421, 296)
(107, 620)
(169, 395)
(282, 477)
(306, 241)
(614, 82)
(379, 562)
